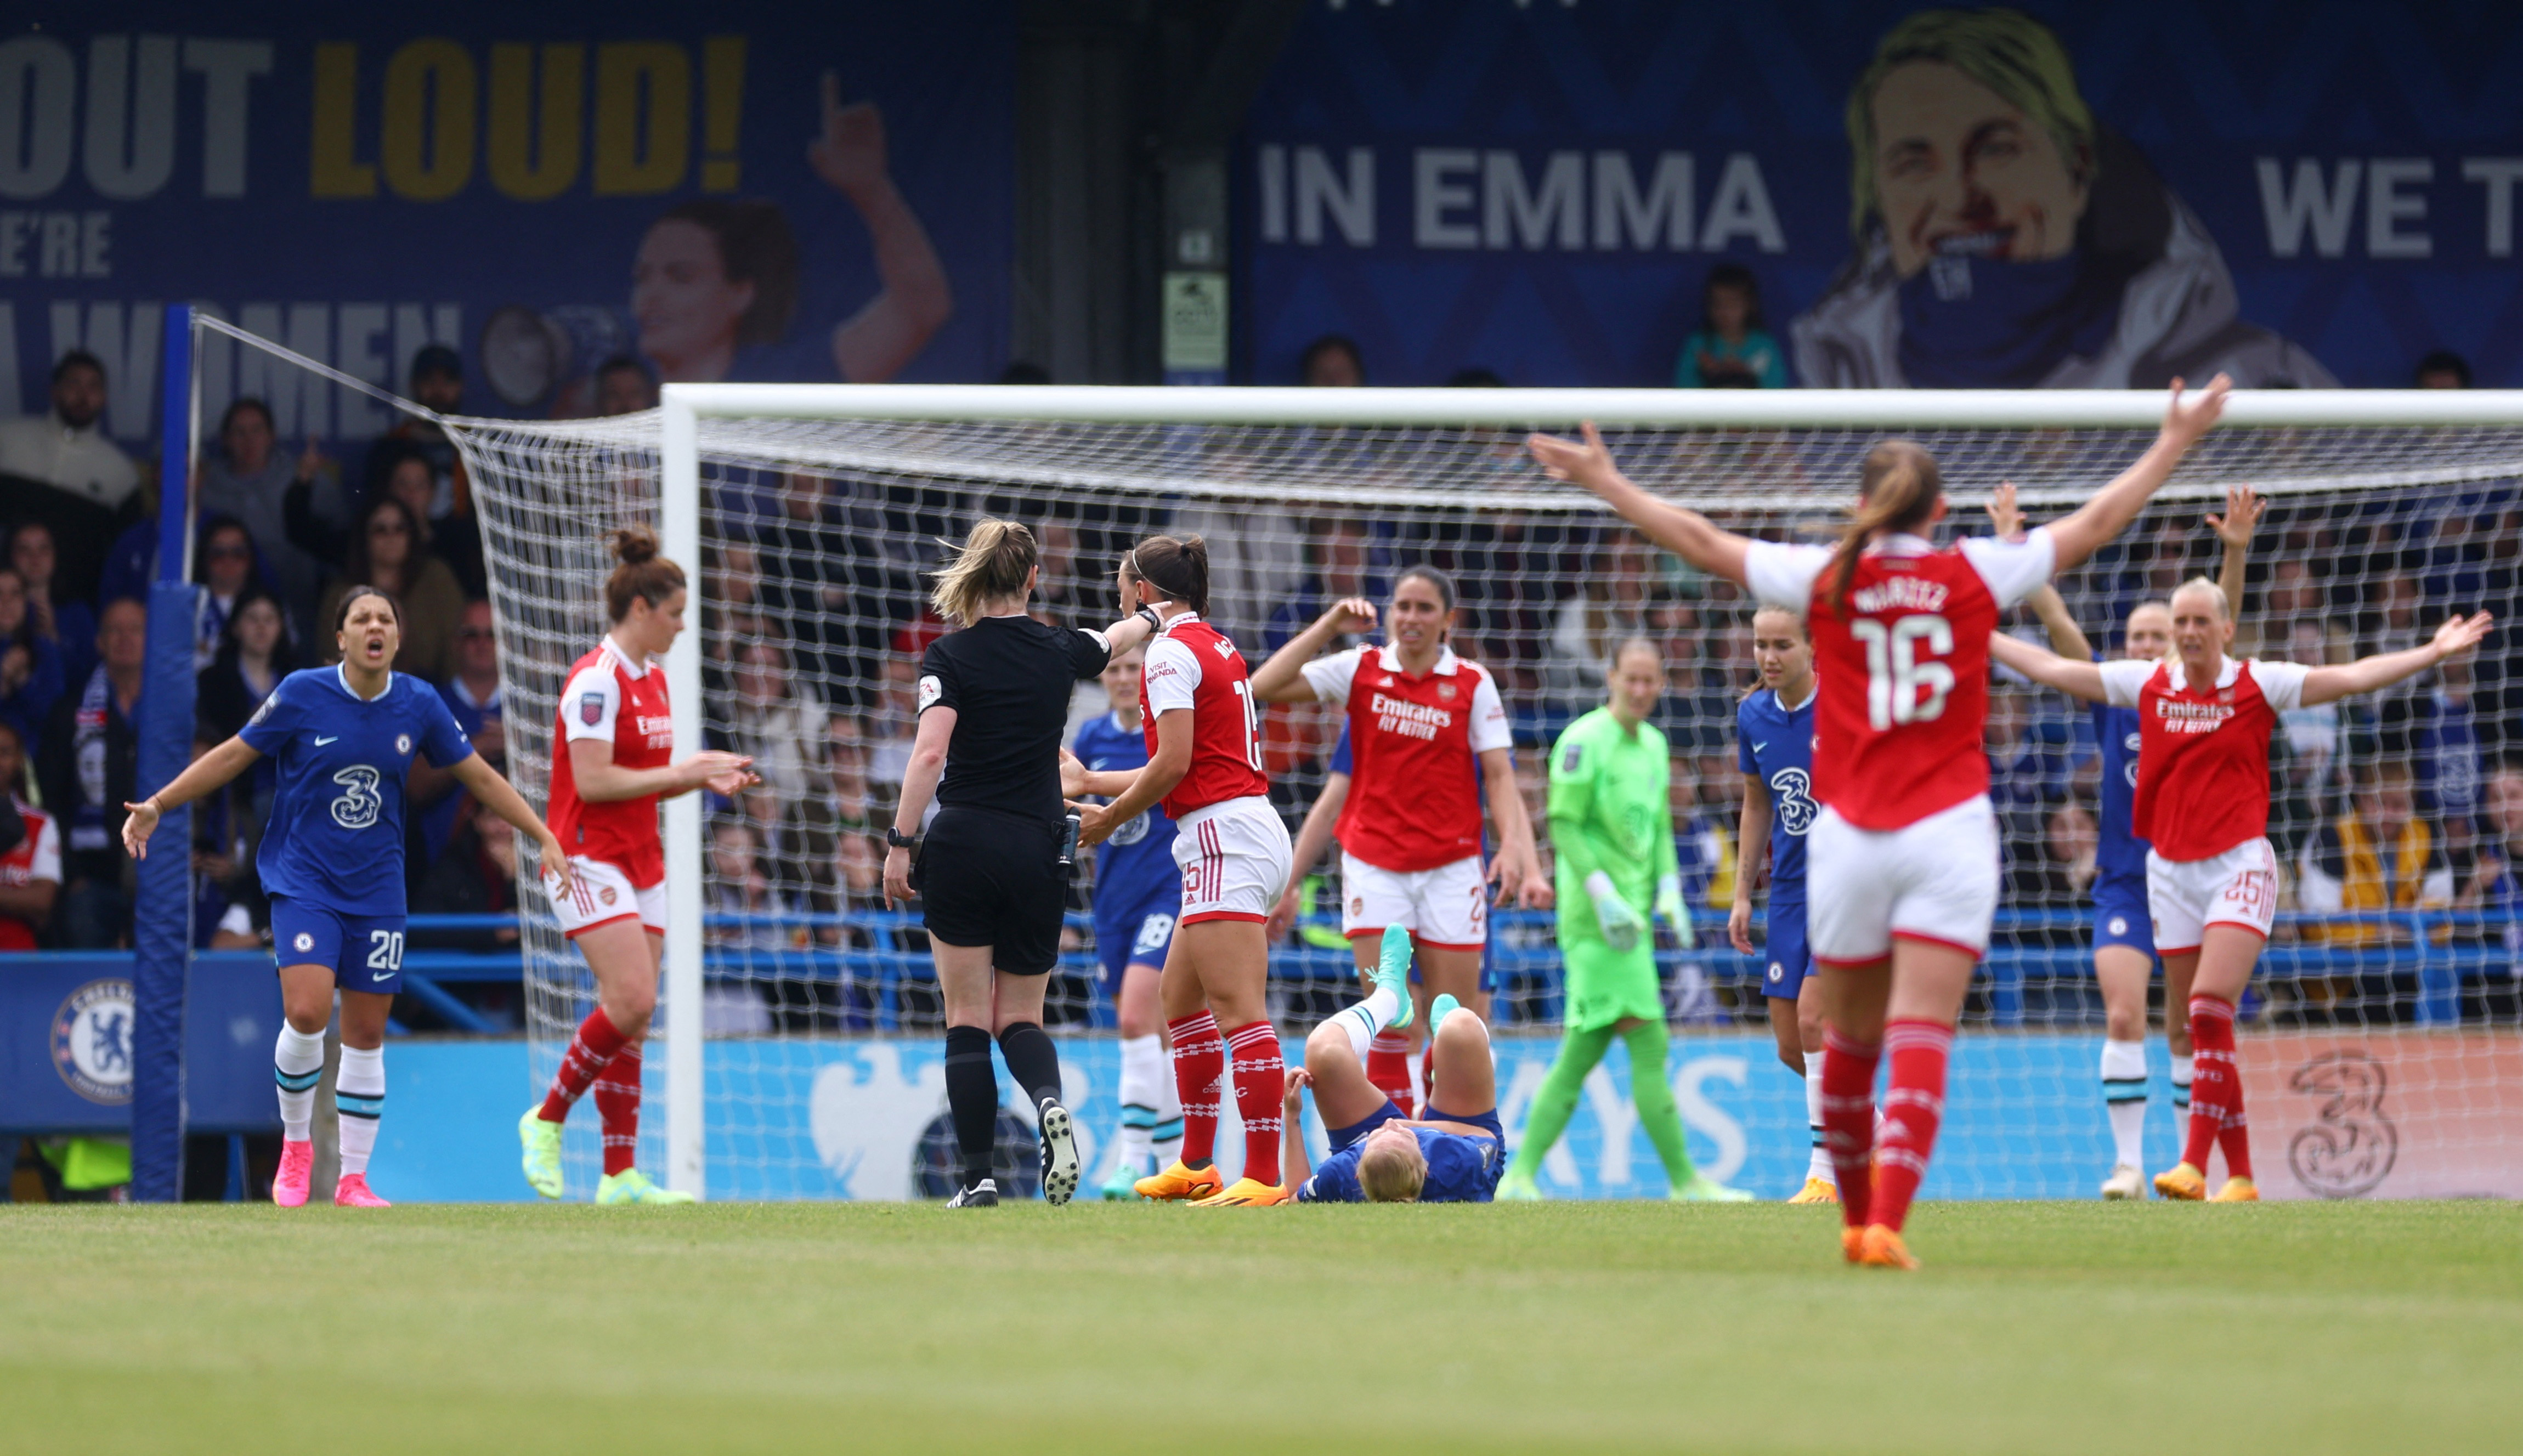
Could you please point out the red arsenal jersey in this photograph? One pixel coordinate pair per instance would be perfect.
(2203, 759)
(1903, 701)
(1192, 665)
(1414, 799)
(611, 699)
(38, 856)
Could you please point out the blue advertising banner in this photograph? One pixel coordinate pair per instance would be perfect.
(816, 193)
(2097, 196)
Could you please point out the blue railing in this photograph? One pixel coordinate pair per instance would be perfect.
(2431, 954)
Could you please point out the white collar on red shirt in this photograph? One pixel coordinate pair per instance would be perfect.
(2228, 668)
(1900, 543)
(1389, 658)
(1170, 623)
(639, 669)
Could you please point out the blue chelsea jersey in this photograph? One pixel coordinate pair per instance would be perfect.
(2119, 854)
(1140, 855)
(1775, 745)
(336, 836)
(1461, 1169)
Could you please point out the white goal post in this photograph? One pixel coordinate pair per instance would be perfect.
(690, 411)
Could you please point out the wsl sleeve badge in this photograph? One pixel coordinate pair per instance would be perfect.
(92, 1040)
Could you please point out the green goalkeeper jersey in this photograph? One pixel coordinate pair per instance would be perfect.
(1610, 810)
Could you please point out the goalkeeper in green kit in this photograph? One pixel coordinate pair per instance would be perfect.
(1611, 827)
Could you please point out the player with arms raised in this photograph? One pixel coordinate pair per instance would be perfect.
(613, 750)
(2124, 932)
(2203, 803)
(1774, 743)
(332, 861)
(1138, 893)
(1428, 738)
(1903, 859)
(1205, 767)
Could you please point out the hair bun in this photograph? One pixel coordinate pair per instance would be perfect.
(633, 545)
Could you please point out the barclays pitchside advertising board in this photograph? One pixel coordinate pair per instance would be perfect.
(2063, 196)
(782, 193)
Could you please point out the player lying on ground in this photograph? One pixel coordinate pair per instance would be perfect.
(1428, 741)
(1611, 821)
(1205, 769)
(2124, 932)
(2202, 802)
(613, 759)
(1452, 1155)
(1904, 856)
(1773, 737)
(331, 860)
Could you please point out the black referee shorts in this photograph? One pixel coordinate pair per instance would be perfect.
(994, 879)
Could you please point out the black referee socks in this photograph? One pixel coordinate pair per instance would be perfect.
(1032, 1059)
(973, 1095)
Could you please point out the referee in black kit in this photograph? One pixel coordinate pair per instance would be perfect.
(992, 878)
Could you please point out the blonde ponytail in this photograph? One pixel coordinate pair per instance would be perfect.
(993, 563)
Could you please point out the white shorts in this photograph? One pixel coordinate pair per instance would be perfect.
(599, 894)
(1234, 861)
(2239, 887)
(1933, 881)
(1446, 908)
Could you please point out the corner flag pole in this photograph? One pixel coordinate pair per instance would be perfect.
(162, 913)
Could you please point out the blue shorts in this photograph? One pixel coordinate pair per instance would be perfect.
(1787, 959)
(1136, 934)
(1342, 1136)
(364, 951)
(2121, 916)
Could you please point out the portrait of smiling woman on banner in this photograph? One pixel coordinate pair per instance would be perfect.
(2004, 240)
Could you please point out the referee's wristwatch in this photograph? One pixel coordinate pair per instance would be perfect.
(1149, 615)
(900, 840)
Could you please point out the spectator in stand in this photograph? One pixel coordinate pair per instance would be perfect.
(1703, 836)
(2064, 874)
(30, 665)
(2292, 594)
(771, 723)
(438, 381)
(475, 874)
(223, 565)
(94, 488)
(1332, 362)
(890, 727)
(385, 553)
(88, 768)
(2025, 771)
(67, 622)
(1732, 349)
(2380, 856)
(837, 833)
(625, 385)
(472, 696)
(254, 655)
(2496, 883)
(31, 872)
(1589, 626)
(249, 478)
(1341, 563)
(2442, 369)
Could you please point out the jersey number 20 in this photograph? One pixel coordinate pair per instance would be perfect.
(1899, 688)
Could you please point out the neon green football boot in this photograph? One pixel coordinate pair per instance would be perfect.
(631, 1185)
(543, 1152)
(1517, 1187)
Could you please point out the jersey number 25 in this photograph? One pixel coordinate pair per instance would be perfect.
(1899, 688)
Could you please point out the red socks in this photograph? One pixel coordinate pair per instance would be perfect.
(1914, 1105)
(1200, 1064)
(1260, 1086)
(2217, 1090)
(1848, 1121)
(597, 1042)
(1387, 1068)
(617, 1103)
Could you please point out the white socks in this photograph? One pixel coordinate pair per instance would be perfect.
(1361, 1022)
(2125, 1100)
(1145, 1080)
(360, 1093)
(297, 1065)
(1820, 1167)
(2182, 1067)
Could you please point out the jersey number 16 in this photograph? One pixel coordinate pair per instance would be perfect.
(1899, 688)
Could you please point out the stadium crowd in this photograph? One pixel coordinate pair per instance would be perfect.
(816, 620)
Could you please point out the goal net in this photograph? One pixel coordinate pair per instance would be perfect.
(2381, 1049)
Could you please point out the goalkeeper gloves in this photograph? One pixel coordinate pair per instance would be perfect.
(1620, 924)
(1677, 915)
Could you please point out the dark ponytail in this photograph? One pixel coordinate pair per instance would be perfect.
(1177, 568)
(1897, 489)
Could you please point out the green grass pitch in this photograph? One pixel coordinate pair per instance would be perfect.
(2049, 1327)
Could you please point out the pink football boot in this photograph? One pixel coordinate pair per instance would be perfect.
(352, 1193)
(296, 1170)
